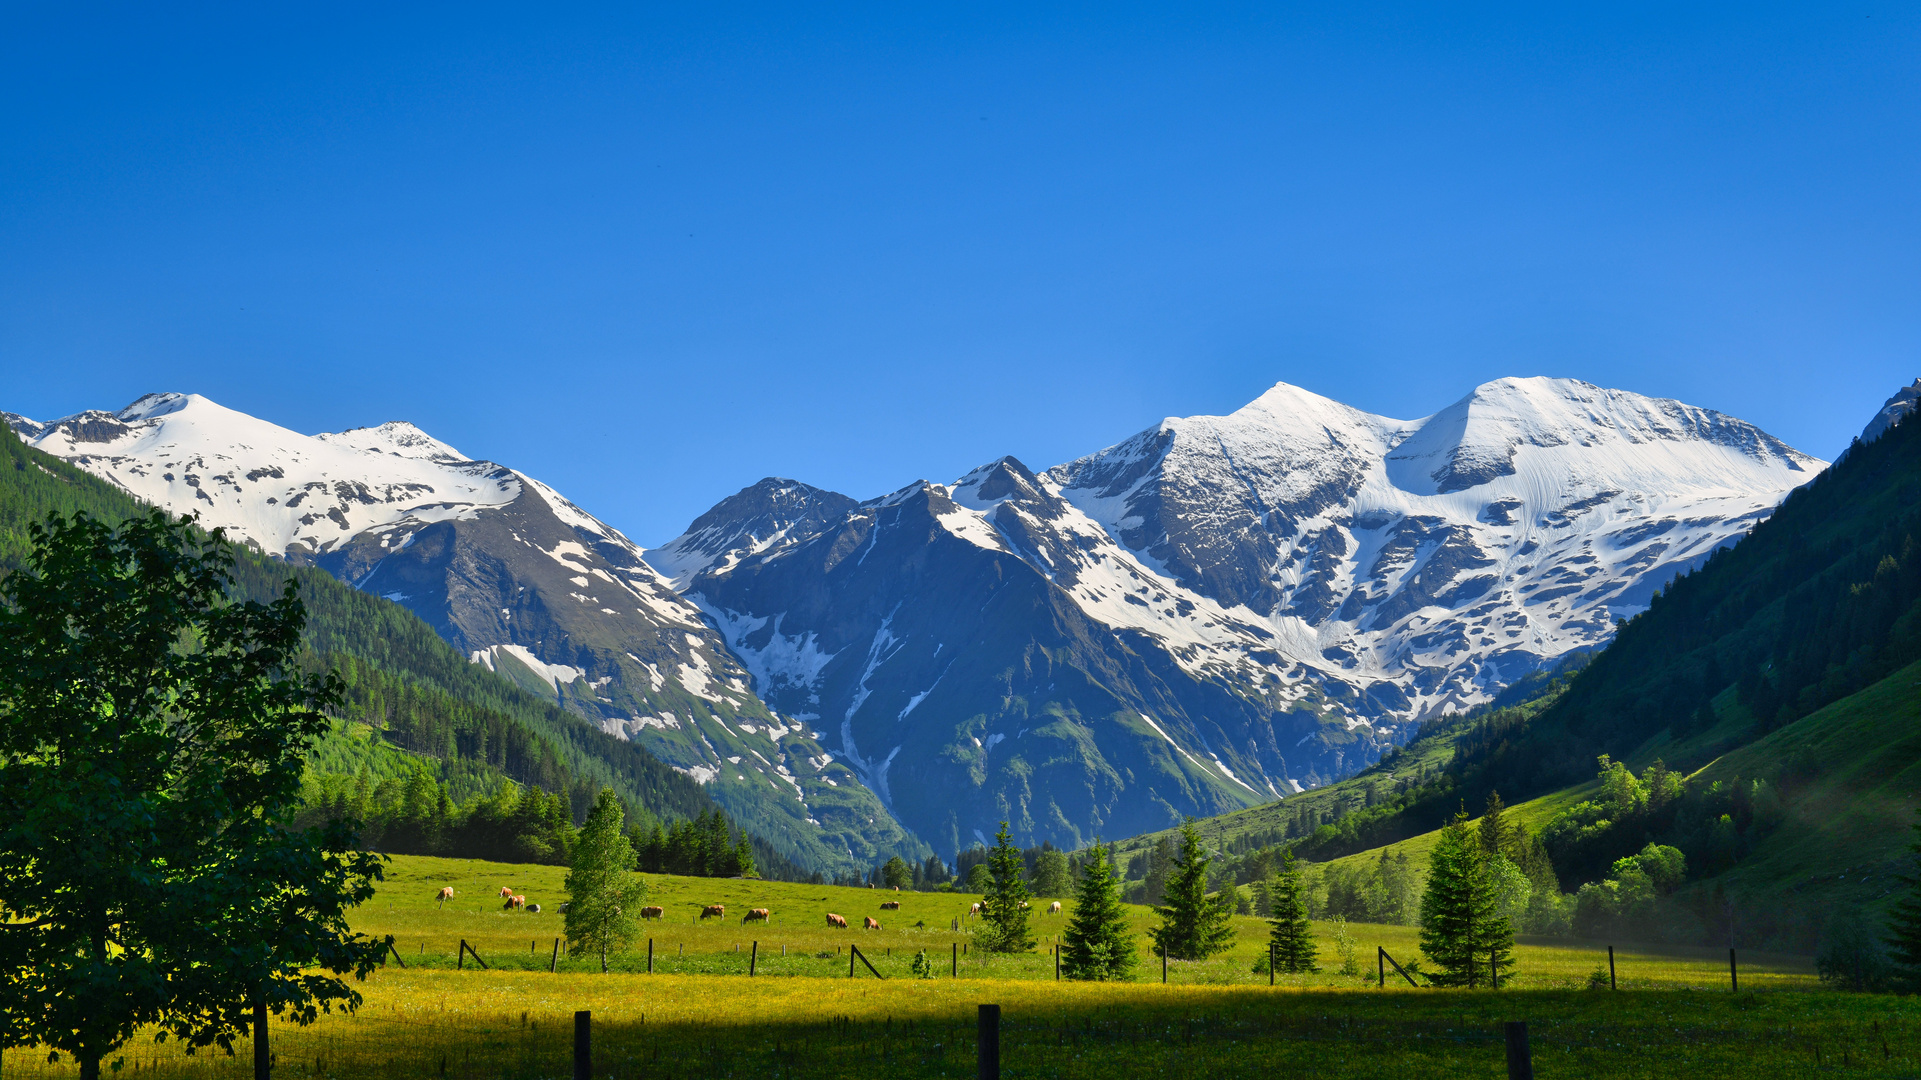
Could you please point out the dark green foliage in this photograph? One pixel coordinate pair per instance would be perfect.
(1462, 931)
(1904, 925)
(1004, 904)
(897, 874)
(604, 895)
(397, 675)
(707, 846)
(1194, 925)
(153, 734)
(1097, 945)
(1292, 937)
(1851, 957)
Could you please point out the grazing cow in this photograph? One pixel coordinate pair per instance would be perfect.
(1054, 908)
(759, 914)
(534, 908)
(652, 912)
(714, 911)
(446, 894)
(837, 920)
(505, 892)
(870, 923)
(897, 888)
(975, 910)
(1023, 905)
(890, 905)
(563, 907)
(509, 905)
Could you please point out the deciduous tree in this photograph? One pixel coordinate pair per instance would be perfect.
(153, 733)
(604, 895)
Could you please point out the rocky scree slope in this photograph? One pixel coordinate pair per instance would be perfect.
(509, 572)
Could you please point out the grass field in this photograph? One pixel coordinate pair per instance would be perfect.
(700, 1015)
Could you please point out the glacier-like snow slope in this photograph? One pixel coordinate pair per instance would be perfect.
(511, 573)
(1219, 609)
(1413, 566)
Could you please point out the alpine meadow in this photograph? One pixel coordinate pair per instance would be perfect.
(897, 542)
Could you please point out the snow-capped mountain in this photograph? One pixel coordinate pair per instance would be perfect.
(1220, 609)
(507, 570)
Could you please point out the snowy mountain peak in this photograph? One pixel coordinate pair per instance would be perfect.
(396, 437)
(770, 514)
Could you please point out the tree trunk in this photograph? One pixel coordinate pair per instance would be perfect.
(89, 1068)
(262, 1062)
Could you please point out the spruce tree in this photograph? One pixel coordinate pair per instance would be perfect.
(1193, 926)
(1496, 834)
(1462, 930)
(1097, 945)
(1294, 948)
(1004, 905)
(1904, 928)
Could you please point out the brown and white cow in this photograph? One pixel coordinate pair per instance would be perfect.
(897, 888)
(714, 911)
(890, 905)
(837, 920)
(975, 910)
(759, 914)
(446, 894)
(505, 892)
(870, 923)
(1054, 908)
(652, 912)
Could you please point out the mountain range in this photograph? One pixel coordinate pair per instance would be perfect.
(1213, 613)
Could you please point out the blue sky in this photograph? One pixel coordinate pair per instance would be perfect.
(652, 257)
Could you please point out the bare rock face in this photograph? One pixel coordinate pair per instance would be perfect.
(512, 574)
(1219, 610)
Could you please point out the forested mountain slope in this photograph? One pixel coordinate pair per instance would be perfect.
(472, 728)
(1760, 718)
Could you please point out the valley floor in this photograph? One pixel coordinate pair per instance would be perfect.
(700, 1015)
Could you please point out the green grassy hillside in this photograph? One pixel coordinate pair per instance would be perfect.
(412, 702)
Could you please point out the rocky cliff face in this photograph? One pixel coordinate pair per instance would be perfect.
(511, 573)
(1220, 609)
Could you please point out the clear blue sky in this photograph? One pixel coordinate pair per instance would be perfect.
(652, 258)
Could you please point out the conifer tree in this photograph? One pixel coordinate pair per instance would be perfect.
(1003, 906)
(1904, 928)
(1496, 834)
(1462, 930)
(1294, 948)
(1193, 926)
(603, 893)
(1097, 946)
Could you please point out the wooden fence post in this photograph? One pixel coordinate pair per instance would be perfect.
(1270, 963)
(1163, 965)
(1520, 1063)
(553, 962)
(396, 952)
(583, 1045)
(650, 956)
(1611, 985)
(1057, 963)
(988, 1042)
(1380, 963)
(1734, 973)
(753, 954)
(956, 972)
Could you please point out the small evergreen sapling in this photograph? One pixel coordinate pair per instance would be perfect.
(1904, 929)
(1097, 945)
(1292, 937)
(1003, 906)
(1194, 926)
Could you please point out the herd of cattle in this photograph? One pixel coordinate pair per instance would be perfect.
(719, 911)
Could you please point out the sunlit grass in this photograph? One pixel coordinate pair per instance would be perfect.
(700, 1015)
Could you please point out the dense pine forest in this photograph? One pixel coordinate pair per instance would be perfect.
(433, 754)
